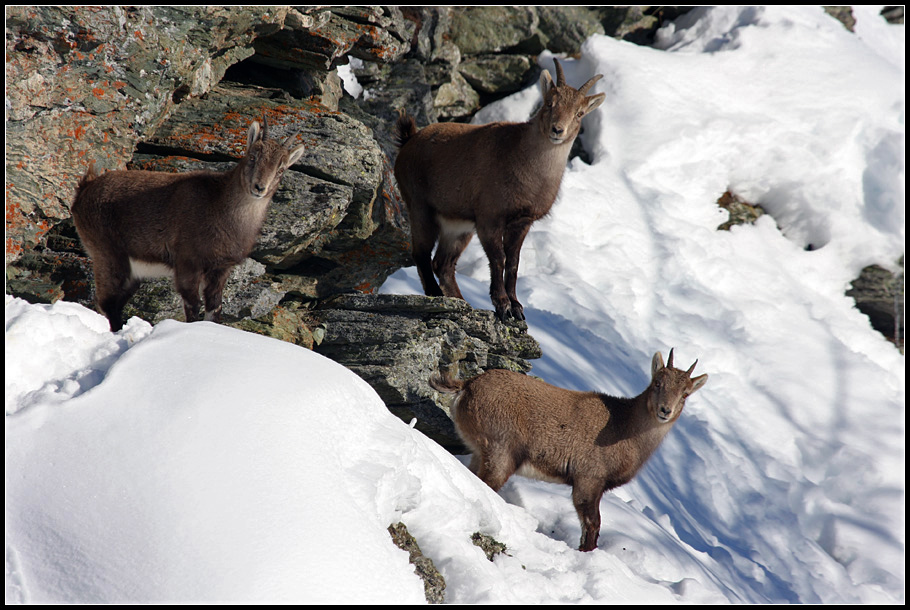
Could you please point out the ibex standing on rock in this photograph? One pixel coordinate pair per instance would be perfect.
(591, 441)
(496, 179)
(196, 225)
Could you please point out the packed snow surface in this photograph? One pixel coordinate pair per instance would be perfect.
(201, 463)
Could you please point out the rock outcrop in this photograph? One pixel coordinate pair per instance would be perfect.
(395, 342)
(175, 88)
(879, 294)
(434, 585)
(89, 83)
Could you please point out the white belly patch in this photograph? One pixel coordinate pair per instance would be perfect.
(454, 228)
(141, 270)
(528, 470)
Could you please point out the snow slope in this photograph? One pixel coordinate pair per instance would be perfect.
(200, 463)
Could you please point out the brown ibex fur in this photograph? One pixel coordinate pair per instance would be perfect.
(496, 179)
(591, 441)
(196, 225)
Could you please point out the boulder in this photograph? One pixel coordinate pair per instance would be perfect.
(879, 293)
(395, 342)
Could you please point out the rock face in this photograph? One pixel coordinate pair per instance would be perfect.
(395, 342)
(175, 89)
(89, 83)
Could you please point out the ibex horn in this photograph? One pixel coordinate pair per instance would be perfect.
(584, 88)
(560, 78)
(670, 359)
(293, 135)
(692, 368)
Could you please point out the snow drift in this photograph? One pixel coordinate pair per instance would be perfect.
(200, 463)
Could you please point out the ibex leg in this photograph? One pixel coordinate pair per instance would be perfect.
(454, 237)
(514, 237)
(495, 467)
(214, 287)
(113, 288)
(188, 281)
(587, 504)
(423, 237)
(491, 239)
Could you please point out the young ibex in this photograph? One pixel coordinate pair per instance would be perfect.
(591, 441)
(496, 179)
(196, 225)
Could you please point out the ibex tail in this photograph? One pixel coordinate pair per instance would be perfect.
(406, 127)
(445, 383)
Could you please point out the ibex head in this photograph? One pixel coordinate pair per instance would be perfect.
(267, 160)
(670, 387)
(564, 107)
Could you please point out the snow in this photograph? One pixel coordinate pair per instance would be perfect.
(201, 463)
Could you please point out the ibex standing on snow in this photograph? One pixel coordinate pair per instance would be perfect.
(497, 178)
(591, 441)
(196, 225)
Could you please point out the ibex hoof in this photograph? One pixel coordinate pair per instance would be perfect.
(514, 312)
(518, 312)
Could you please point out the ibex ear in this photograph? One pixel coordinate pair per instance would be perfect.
(546, 82)
(252, 134)
(697, 382)
(594, 101)
(657, 363)
(295, 155)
